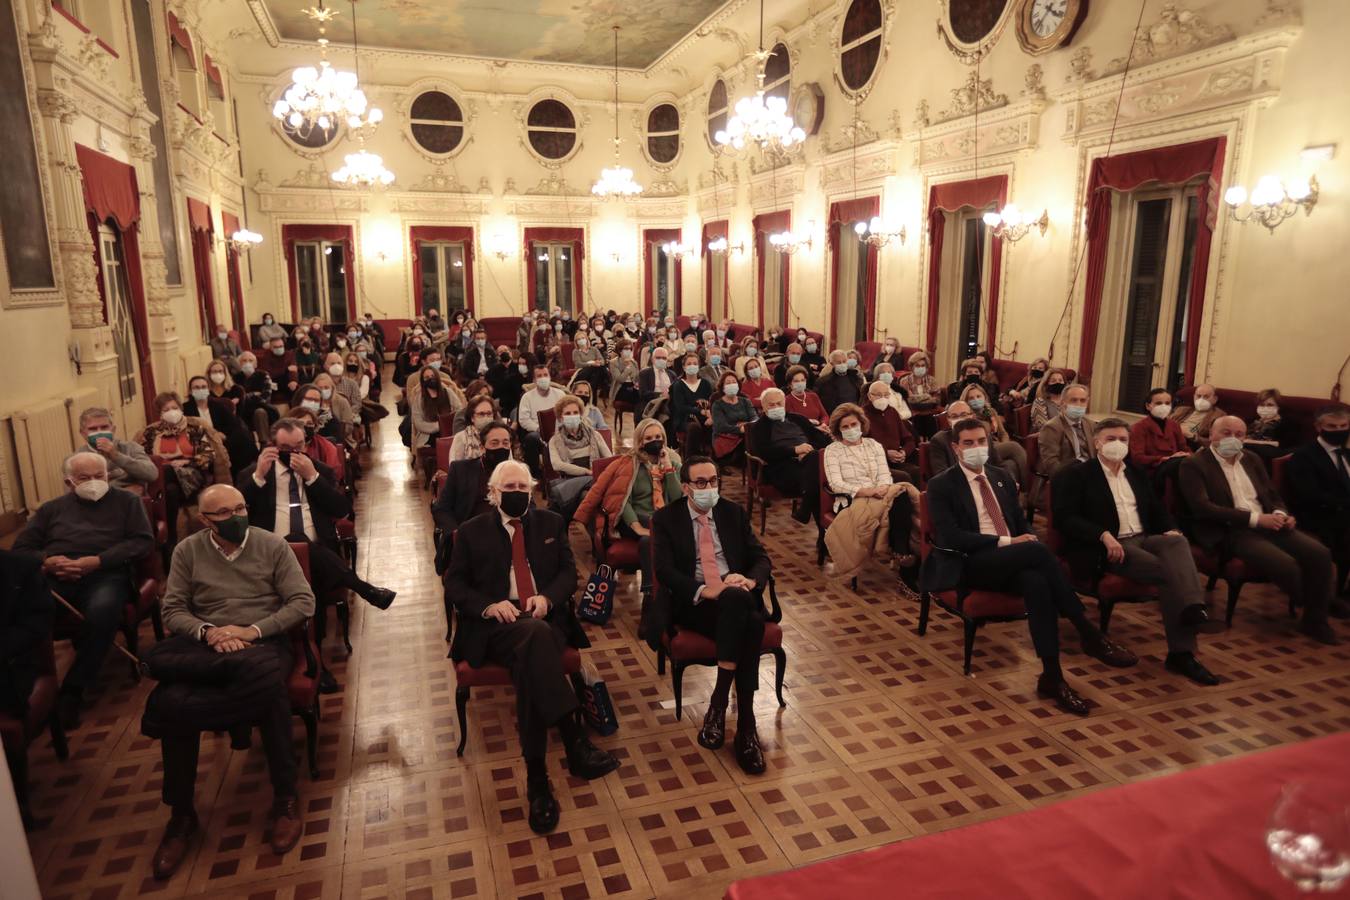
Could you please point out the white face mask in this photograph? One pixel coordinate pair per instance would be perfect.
(543, 384)
(920, 371)
(311, 405)
(975, 457)
(247, 368)
(880, 404)
(1267, 412)
(171, 416)
(92, 490)
(1115, 451)
(1203, 404)
(1161, 410)
(335, 370)
(752, 374)
(851, 435)
(217, 377)
(325, 393)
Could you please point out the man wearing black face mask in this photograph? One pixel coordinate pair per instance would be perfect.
(464, 492)
(1318, 480)
(512, 577)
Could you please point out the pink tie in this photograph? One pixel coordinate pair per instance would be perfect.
(707, 554)
(991, 506)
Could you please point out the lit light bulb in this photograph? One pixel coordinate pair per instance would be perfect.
(860, 228)
(1235, 195)
(1299, 190)
(1268, 191)
(992, 219)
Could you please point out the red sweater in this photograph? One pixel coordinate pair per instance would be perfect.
(807, 405)
(751, 390)
(889, 430)
(1152, 441)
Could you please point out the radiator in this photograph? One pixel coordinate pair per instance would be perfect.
(192, 363)
(36, 441)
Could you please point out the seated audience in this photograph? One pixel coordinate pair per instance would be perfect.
(791, 359)
(544, 396)
(655, 380)
(129, 467)
(467, 443)
(889, 356)
(1270, 435)
(1232, 509)
(839, 383)
(186, 451)
(1112, 521)
(731, 412)
(222, 386)
(623, 375)
(1025, 390)
(789, 444)
(942, 457)
(713, 572)
(88, 540)
(1068, 437)
(1012, 453)
(574, 445)
(801, 401)
(972, 374)
(224, 347)
(590, 412)
(689, 414)
(886, 375)
(1048, 404)
(1156, 442)
(756, 381)
(717, 363)
(812, 359)
(922, 393)
(749, 351)
(428, 400)
(318, 447)
(463, 494)
(856, 467)
(258, 388)
(219, 413)
(1197, 419)
(269, 330)
(1318, 480)
(983, 541)
(336, 406)
(307, 355)
(475, 360)
(231, 590)
(512, 577)
(885, 426)
(310, 397)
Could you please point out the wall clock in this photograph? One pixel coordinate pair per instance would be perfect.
(971, 27)
(808, 107)
(1044, 25)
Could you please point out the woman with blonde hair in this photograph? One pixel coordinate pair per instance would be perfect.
(222, 386)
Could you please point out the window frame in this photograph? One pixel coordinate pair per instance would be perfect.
(527, 129)
(785, 80)
(652, 258)
(295, 234)
(764, 225)
(415, 93)
(840, 48)
(422, 235)
(648, 134)
(709, 113)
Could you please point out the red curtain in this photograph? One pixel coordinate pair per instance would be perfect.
(464, 235)
(230, 224)
(842, 216)
(179, 35)
(712, 231)
(763, 226)
(950, 197)
(110, 193)
(334, 233)
(1126, 172)
(659, 236)
(203, 236)
(213, 73)
(574, 236)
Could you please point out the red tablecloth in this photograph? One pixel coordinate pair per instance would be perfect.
(1197, 834)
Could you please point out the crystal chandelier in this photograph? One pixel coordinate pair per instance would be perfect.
(1271, 201)
(322, 98)
(1011, 225)
(364, 169)
(616, 180)
(759, 119)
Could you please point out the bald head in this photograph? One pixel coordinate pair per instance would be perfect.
(1227, 426)
(220, 498)
(958, 410)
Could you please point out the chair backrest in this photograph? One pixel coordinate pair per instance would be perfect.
(446, 422)
(607, 436)
(925, 464)
(1022, 420)
(1032, 444)
(925, 528)
(826, 508)
(565, 354)
(598, 465)
(548, 422)
(443, 453)
(1053, 539)
(301, 551)
(868, 351)
(1277, 469)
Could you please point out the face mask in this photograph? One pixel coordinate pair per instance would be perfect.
(714, 360)
(751, 351)
(514, 503)
(886, 377)
(920, 371)
(721, 334)
(200, 395)
(752, 374)
(852, 363)
(582, 345)
(1115, 451)
(801, 337)
(1161, 410)
(311, 405)
(342, 343)
(1203, 404)
(430, 384)
(267, 320)
(1055, 389)
(1334, 438)
(1073, 412)
(731, 389)
(326, 393)
(278, 351)
(417, 331)
(496, 455)
(973, 378)
(976, 404)
(543, 384)
(335, 370)
(92, 490)
(585, 399)
(480, 344)
(880, 404)
(851, 435)
(626, 354)
(811, 348)
(652, 448)
(558, 328)
(890, 349)
(799, 387)
(435, 364)
(1037, 373)
(778, 414)
(94, 438)
(840, 368)
(222, 335)
(794, 358)
(353, 336)
(1229, 447)
(524, 370)
(704, 498)
(353, 368)
(315, 328)
(248, 368)
(690, 346)
(572, 421)
(232, 530)
(975, 457)
(480, 421)
(415, 346)
(310, 431)
(171, 416)
(1267, 412)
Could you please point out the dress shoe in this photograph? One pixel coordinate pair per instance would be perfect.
(1319, 630)
(1186, 664)
(327, 683)
(379, 597)
(1108, 651)
(1197, 618)
(714, 731)
(1065, 697)
(173, 847)
(287, 826)
(543, 807)
(241, 737)
(68, 709)
(1339, 609)
(585, 760)
(749, 754)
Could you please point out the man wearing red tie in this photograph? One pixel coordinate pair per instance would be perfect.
(982, 540)
(511, 578)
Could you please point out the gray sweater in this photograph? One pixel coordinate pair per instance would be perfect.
(128, 464)
(264, 586)
(114, 528)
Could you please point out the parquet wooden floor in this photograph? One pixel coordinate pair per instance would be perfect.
(882, 739)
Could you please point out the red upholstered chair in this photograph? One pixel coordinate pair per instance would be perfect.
(868, 351)
(303, 684)
(609, 548)
(687, 648)
(1021, 421)
(607, 436)
(825, 512)
(1031, 443)
(548, 423)
(925, 464)
(758, 490)
(1108, 588)
(565, 361)
(1277, 474)
(18, 733)
(975, 608)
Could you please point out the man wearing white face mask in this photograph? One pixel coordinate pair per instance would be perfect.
(88, 540)
(1234, 510)
(1112, 521)
(1197, 419)
(544, 396)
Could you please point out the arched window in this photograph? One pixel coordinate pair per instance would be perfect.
(717, 110)
(552, 129)
(860, 43)
(778, 73)
(663, 133)
(437, 122)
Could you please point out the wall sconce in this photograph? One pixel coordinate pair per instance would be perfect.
(1010, 225)
(243, 240)
(790, 242)
(879, 233)
(1271, 201)
(720, 246)
(499, 246)
(677, 249)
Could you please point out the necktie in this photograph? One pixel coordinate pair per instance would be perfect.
(707, 554)
(297, 510)
(1080, 444)
(991, 506)
(524, 580)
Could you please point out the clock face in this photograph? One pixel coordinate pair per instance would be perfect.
(1047, 16)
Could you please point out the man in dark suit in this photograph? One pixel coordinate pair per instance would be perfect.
(1317, 477)
(940, 454)
(477, 359)
(298, 498)
(790, 447)
(464, 493)
(512, 576)
(1234, 510)
(1111, 521)
(982, 540)
(655, 380)
(712, 571)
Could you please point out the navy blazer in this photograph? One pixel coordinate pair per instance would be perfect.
(1319, 495)
(955, 523)
(1084, 507)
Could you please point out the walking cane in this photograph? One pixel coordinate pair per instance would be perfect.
(80, 616)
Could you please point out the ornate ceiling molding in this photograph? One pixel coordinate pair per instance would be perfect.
(462, 205)
(976, 94)
(1175, 32)
(1002, 130)
(873, 165)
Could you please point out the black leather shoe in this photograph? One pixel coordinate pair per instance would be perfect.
(1186, 664)
(1320, 631)
(749, 754)
(327, 683)
(241, 737)
(1108, 651)
(1339, 609)
(585, 760)
(173, 847)
(379, 597)
(1065, 697)
(543, 806)
(1197, 617)
(68, 709)
(714, 731)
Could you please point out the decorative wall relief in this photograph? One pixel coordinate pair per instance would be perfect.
(1176, 31)
(976, 93)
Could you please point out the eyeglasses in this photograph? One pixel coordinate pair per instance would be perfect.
(221, 515)
(704, 483)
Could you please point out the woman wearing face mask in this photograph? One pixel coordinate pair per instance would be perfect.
(922, 393)
(590, 412)
(588, 360)
(1025, 390)
(222, 386)
(307, 358)
(187, 453)
(856, 467)
(1013, 454)
(409, 360)
(1156, 441)
(886, 375)
(514, 381)
(268, 330)
(308, 396)
(219, 412)
(426, 405)
(802, 402)
(971, 372)
(623, 376)
(571, 449)
(756, 380)
(885, 426)
(633, 487)
(732, 413)
(348, 390)
(812, 358)
(747, 350)
(318, 447)
(467, 444)
(793, 357)
(1269, 435)
(688, 406)
(1048, 405)
(338, 408)
(889, 356)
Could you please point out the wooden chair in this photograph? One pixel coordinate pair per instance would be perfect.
(609, 548)
(1031, 443)
(758, 490)
(302, 686)
(975, 608)
(18, 733)
(925, 464)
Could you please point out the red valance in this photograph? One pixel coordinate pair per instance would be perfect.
(574, 236)
(342, 234)
(558, 235)
(1163, 166)
(659, 236)
(842, 217)
(714, 230)
(229, 223)
(110, 190)
(179, 35)
(447, 234)
(992, 190)
(861, 209)
(212, 71)
(199, 216)
(764, 225)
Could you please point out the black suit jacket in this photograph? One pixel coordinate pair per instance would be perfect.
(761, 438)
(468, 362)
(1320, 497)
(1084, 507)
(465, 487)
(327, 503)
(25, 623)
(480, 575)
(955, 523)
(1210, 514)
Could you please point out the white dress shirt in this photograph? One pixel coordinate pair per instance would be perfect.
(282, 523)
(1241, 487)
(661, 381)
(722, 568)
(986, 521)
(1127, 508)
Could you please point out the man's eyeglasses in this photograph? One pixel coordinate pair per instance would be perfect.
(704, 483)
(220, 515)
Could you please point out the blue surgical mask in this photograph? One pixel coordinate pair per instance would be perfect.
(976, 403)
(840, 368)
(731, 389)
(751, 351)
(1229, 447)
(705, 498)
(658, 364)
(852, 363)
(714, 360)
(1073, 412)
(778, 414)
(886, 377)
(691, 370)
(794, 358)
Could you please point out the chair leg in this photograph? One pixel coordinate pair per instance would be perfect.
(59, 745)
(820, 548)
(1234, 588)
(763, 515)
(461, 710)
(311, 719)
(130, 633)
(1105, 607)
(320, 622)
(344, 615)
(677, 681)
(1213, 580)
(780, 668)
(157, 621)
(660, 662)
(925, 601)
(970, 644)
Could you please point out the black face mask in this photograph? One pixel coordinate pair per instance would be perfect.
(1037, 373)
(505, 358)
(353, 368)
(309, 434)
(491, 458)
(1055, 389)
(233, 529)
(514, 503)
(972, 379)
(652, 448)
(1334, 438)
(430, 382)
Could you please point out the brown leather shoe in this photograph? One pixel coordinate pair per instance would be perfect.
(1065, 697)
(173, 847)
(1109, 652)
(287, 826)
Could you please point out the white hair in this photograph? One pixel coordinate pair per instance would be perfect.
(508, 466)
(772, 393)
(68, 464)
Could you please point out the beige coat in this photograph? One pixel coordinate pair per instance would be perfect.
(862, 530)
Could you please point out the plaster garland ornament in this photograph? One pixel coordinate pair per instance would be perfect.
(1176, 31)
(922, 118)
(1034, 82)
(1281, 12)
(1080, 67)
(977, 94)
